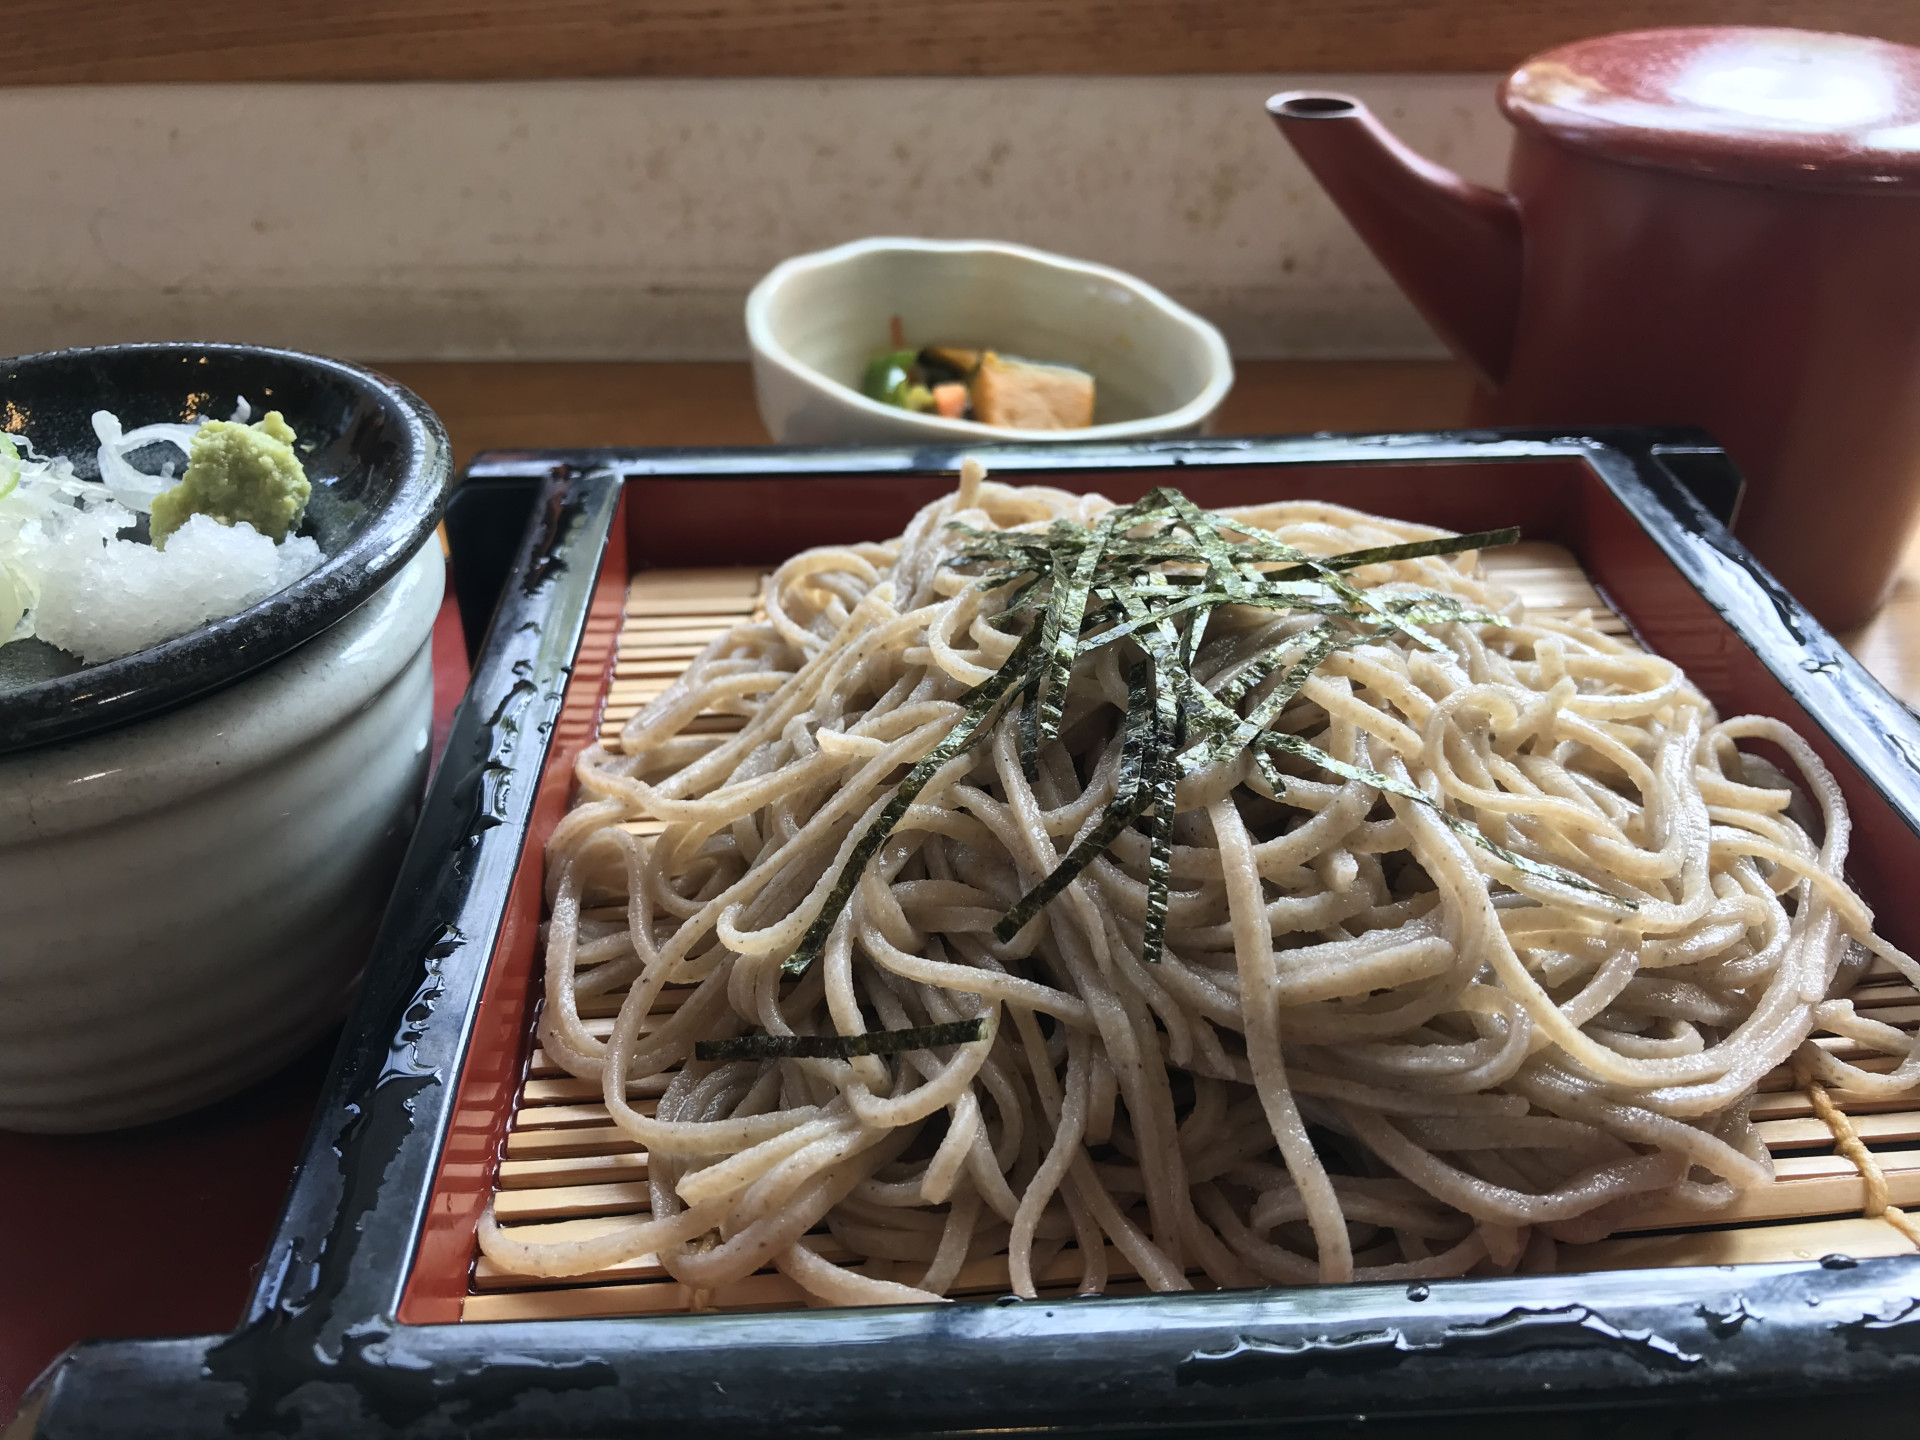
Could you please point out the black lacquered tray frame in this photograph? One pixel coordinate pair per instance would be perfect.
(321, 1353)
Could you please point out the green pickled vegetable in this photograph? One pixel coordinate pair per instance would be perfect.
(889, 378)
(894, 379)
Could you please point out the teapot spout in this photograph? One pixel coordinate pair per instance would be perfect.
(1452, 245)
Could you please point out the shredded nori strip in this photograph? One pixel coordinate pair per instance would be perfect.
(839, 1047)
(1251, 676)
(1030, 727)
(1076, 589)
(1130, 797)
(983, 702)
(1165, 774)
(1413, 550)
(1060, 639)
(1323, 641)
(1306, 750)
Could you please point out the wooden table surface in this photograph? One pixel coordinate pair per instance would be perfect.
(106, 41)
(502, 405)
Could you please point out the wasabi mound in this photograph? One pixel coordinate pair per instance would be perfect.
(237, 474)
(71, 575)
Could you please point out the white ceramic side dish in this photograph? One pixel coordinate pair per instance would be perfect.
(1161, 371)
(187, 900)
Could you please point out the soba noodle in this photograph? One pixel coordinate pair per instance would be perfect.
(1364, 1046)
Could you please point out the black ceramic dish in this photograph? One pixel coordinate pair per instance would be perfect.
(323, 1351)
(381, 472)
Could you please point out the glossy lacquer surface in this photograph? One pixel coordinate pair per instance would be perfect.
(1782, 107)
(1786, 322)
(1713, 227)
(377, 1233)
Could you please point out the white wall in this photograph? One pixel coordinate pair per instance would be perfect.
(627, 219)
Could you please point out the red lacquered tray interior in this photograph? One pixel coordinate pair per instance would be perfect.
(668, 522)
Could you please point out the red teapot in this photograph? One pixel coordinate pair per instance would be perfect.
(1706, 226)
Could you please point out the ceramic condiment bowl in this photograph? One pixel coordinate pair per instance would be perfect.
(1160, 370)
(187, 895)
(381, 472)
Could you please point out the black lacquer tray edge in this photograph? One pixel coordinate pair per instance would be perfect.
(1764, 1347)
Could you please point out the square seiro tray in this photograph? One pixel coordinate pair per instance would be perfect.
(372, 1317)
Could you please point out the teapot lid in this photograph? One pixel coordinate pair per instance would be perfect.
(1767, 106)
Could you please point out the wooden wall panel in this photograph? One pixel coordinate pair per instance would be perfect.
(113, 41)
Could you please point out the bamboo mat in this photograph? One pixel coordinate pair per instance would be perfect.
(568, 1173)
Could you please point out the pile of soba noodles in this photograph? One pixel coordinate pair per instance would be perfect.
(1239, 898)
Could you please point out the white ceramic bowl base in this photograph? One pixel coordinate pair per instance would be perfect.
(186, 902)
(1160, 371)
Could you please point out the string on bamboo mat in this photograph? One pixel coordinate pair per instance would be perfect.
(1847, 1141)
